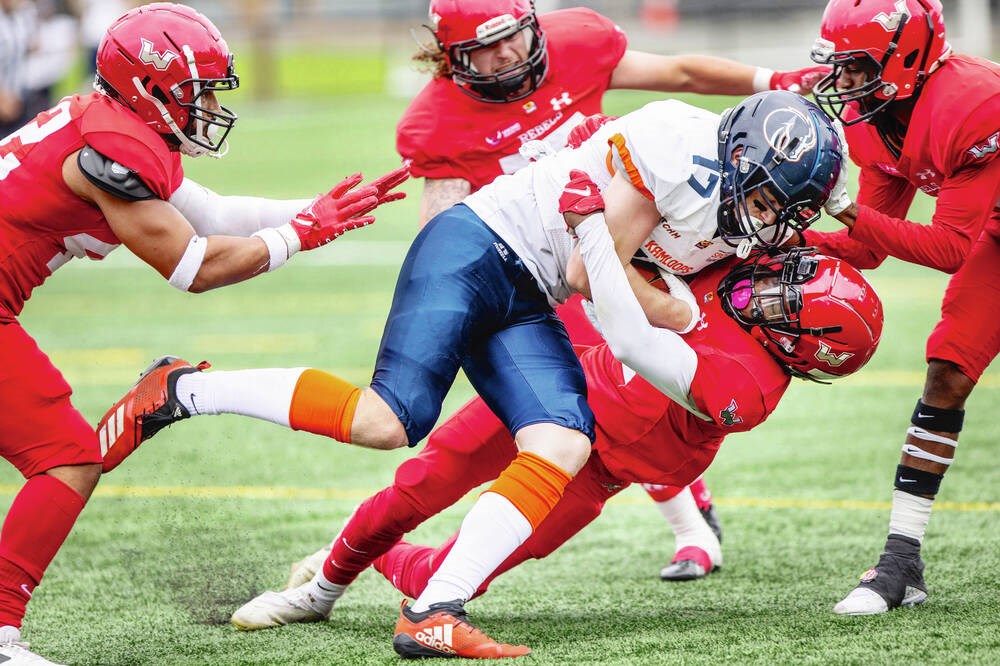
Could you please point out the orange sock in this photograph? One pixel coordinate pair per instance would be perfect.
(533, 485)
(324, 405)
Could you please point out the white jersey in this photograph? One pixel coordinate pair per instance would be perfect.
(667, 149)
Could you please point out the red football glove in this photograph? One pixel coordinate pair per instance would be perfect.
(801, 81)
(342, 209)
(586, 129)
(579, 199)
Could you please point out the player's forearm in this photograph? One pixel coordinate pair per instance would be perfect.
(213, 214)
(229, 260)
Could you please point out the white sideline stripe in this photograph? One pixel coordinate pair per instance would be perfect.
(340, 253)
(356, 494)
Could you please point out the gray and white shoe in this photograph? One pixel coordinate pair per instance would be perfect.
(276, 609)
(15, 652)
(897, 581)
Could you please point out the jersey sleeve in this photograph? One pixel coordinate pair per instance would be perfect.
(580, 39)
(650, 148)
(119, 135)
(728, 393)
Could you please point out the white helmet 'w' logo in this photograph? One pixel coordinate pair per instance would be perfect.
(826, 355)
(891, 21)
(149, 55)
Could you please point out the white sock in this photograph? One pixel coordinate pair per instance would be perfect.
(9, 634)
(491, 531)
(689, 526)
(910, 514)
(322, 592)
(263, 394)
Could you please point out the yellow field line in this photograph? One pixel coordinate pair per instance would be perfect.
(358, 494)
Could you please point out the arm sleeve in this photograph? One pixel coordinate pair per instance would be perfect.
(963, 205)
(660, 356)
(213, 214)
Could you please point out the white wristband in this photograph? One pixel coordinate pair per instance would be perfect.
(762, 79)
(187, 268)
(277, 247)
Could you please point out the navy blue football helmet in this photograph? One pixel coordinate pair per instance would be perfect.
(778, 149)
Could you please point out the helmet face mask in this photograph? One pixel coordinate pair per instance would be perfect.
(895, 43)
(779, 157)
(463, 27)
(816, 315)
(167, 62)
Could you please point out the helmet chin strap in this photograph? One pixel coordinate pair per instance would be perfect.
(188, 147)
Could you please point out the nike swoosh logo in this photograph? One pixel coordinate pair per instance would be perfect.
(24, 588)
(921, 415)
(583, 193)
(902, 480)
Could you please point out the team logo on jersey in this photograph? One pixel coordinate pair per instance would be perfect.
(825, 355)
(701, 245)
(559, 102)
(159, 61)
(529, 107)
(497, 138)
(891, 21)
(728, 415)
(991, 146)
(789, 132)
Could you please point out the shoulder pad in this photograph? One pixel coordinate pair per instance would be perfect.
(112, 177)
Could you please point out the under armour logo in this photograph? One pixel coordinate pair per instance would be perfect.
(891, 21)
(826, 355)
(926, 174)
(559, 102)
(149, 55)
(991, 146)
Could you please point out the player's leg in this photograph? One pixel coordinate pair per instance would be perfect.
(409, 566)
(697, 547)
(531, 378)
(472, 447)
(959, 349)
(439, 295)
(52, 445)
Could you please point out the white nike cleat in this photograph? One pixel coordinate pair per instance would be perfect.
(276, 609)
(865, 601)
(15, 652)
(305, 569)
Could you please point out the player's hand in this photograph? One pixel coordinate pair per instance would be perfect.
(586, 129)
(580, 198)
(390, 181)
(840, 199)
(800, 81)
(680, 290)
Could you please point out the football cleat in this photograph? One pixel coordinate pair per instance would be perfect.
(689, 563)
(276, 609)
(149, 406)
(443, 630)
(305, 569)
(15, 652)
(897, 581)
(712, 518)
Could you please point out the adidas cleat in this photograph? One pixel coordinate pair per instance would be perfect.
(444, 631)
(689, 563)
(276, 609)
(149, 406)
(897, 581)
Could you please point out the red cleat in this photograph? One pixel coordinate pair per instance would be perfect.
(149, 406)
(444, 631)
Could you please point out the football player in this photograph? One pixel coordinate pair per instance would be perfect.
(503, 76)
(663, 404)
(102, 170)
(918, 117)
(476, 288)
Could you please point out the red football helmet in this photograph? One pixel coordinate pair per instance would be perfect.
(161, 60)
(462, 26)
(818, 316)
(902, 41)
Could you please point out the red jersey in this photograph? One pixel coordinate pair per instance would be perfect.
(949, 152)
(644, 436)
(43, 224)
(447, 134)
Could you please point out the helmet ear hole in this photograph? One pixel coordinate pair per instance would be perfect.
(910, 59)
(158, 93)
